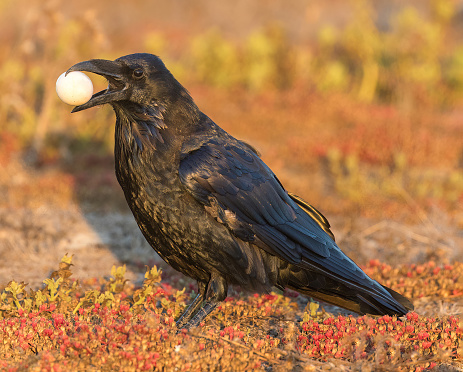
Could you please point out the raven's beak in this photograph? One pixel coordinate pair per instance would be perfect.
(111, 70)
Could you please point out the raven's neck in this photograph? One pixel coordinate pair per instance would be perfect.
(150, 137)
(138, 128)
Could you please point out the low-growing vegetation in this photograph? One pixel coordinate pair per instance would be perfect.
(362, 117)
(109, 324)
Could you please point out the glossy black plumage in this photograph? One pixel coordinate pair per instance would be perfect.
(211, 207)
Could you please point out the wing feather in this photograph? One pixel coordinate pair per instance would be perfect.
(242, 183)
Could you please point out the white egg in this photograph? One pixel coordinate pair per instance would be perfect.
(74, 88)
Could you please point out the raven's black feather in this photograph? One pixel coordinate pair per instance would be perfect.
(212, 208)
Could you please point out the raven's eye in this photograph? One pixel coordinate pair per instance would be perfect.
(138, 73)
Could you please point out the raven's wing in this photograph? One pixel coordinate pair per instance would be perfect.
(238, 189)
(241, 192)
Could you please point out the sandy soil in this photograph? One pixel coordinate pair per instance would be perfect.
(32, 241)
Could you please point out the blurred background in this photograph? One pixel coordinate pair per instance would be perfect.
(356, 105)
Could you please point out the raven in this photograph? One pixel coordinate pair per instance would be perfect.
(211, 207)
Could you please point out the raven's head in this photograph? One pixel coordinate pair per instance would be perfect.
(137, 78)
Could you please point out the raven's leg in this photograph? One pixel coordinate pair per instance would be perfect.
(217, 289)
(195, 305)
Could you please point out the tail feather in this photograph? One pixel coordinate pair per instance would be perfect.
(357, 299)
(361, 304)
(404, 301)
(331, 299)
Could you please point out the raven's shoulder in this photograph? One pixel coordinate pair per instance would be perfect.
(204, 133)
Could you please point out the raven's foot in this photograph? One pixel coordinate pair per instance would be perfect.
(217, 289)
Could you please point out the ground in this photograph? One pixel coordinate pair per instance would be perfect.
(45, 224)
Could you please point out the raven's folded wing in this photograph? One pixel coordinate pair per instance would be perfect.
(241, 192)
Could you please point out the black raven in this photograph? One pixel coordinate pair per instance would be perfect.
(211, 207)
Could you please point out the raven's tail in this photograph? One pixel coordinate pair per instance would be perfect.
(361, 300)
